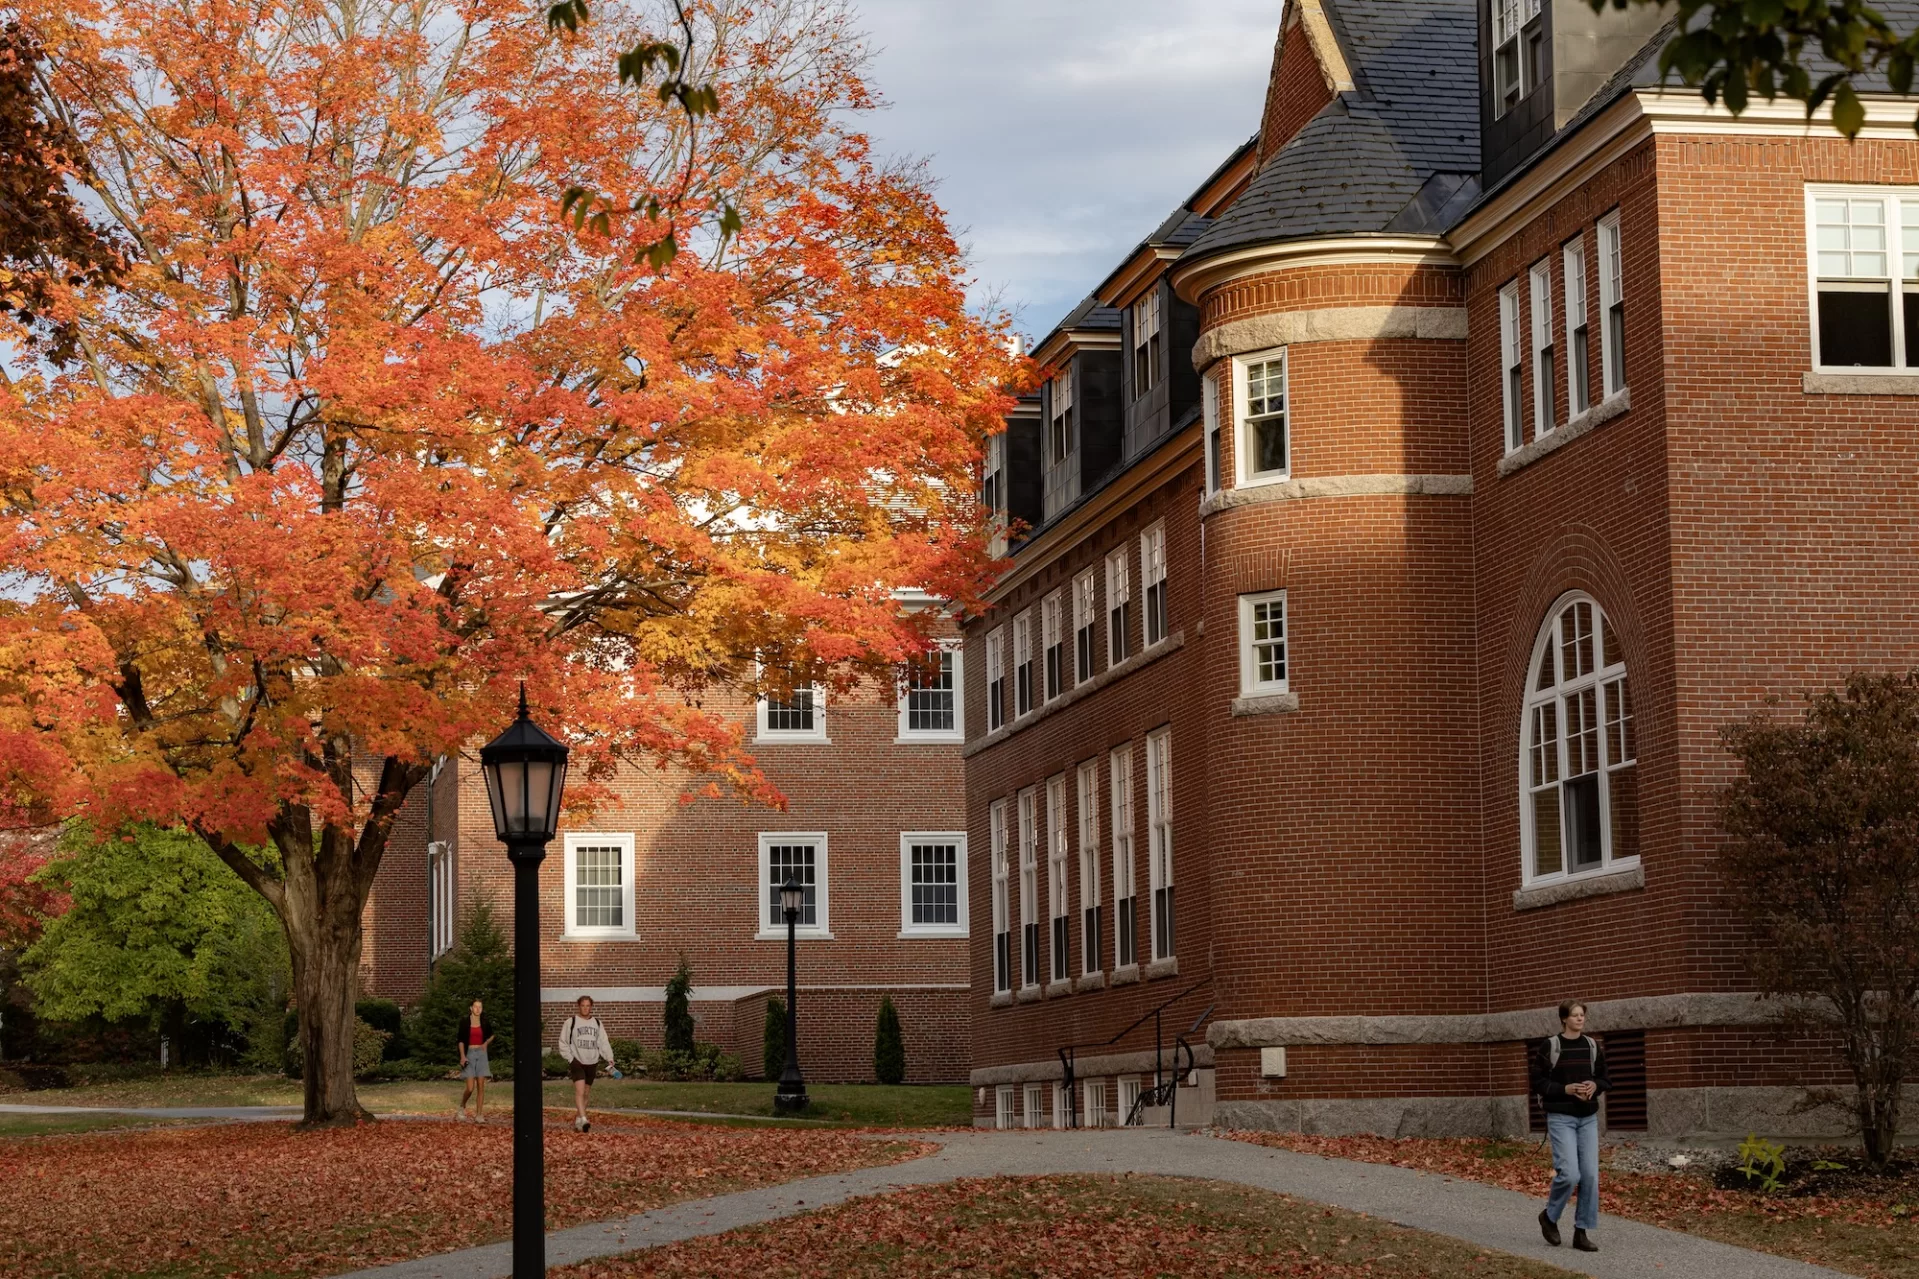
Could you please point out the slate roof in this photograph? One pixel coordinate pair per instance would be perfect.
(1397, 153)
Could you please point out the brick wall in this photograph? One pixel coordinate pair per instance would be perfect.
(1296, 90)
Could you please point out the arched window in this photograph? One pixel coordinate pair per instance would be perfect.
(1579, 784)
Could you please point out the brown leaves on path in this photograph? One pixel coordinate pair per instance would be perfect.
(265, 1200)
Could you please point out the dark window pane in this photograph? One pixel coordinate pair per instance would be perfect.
(1582, 820)
(1855, 328)
(1912, 327)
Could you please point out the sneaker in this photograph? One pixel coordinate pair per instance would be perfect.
(586, 1125)
(1550, 1228)
(1583, 1243)
(579, 1123)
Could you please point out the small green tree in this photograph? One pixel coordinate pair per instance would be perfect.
(1824, 861)
(889, 1049)
(679, 1017)
(773, 1051)
(478, 967)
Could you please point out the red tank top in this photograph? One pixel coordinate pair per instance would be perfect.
(473, 1036)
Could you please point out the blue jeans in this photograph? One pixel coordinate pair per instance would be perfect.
(1575, 1163)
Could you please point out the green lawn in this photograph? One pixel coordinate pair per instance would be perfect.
(862, 1105)
(49, 1125)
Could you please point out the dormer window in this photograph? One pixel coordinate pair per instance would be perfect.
(992, 493)
(1146, 358)
(1519, 52)
(1062, 446)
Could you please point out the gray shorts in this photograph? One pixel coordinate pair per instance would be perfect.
(475, 1067)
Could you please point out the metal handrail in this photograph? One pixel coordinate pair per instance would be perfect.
(1069, 1053)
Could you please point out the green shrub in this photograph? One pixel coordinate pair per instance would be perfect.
(628, 1055)
(11, 1081)
(384, 1014)
(553, 1066)
(705, 1062)
(412, 1069)
(679, 1017)
(369, 1046)
(889, 1049)
(479, 967)
(727, 1069)
(773, 1051)
(113, 1072)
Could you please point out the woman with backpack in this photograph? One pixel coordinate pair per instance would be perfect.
(584, 1044)
(1569, 1073)
(476, 1036)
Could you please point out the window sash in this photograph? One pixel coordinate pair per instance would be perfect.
(1159, 806)
(1578, 753)
(1511, 364)
(1578, 336)
(934, 868)
(1265, 444)
(932, 698)
(1053, 642)
(1544, 383)
(1120, 791)
(798, 858)
(1863, 250)
(797, 713)
(1002, 959)
(1152, 556)
(1089, 879)
(1209, 401)
(1023, 663)
(1085, 613)
(1119, 607)
(1262, 643)
(1029, 888)
(1612, 306)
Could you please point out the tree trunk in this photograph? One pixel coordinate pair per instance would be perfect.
(323, 934)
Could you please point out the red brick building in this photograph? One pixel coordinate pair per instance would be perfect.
(1404, 520)
(875, 829)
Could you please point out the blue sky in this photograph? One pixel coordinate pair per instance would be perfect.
(1062, 131)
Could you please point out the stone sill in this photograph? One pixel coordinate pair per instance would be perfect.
(1256, 494)
(1028, 995)
(1604, 411)
(1266, 704)
(1125, 975)
(1861, 384)
(1001, 999)
(1058, 988)
(1167, 967)
(1078, 692)
(1090, 981)
(1589, 885)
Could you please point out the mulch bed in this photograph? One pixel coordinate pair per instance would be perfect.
(265, 1200)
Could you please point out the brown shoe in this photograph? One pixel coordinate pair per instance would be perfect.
(1582, 1243)
(1549, 1228)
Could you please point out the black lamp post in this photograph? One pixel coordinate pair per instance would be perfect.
(525, 771)
(790, 1096)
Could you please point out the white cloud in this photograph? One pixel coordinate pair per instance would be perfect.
(1063, 131)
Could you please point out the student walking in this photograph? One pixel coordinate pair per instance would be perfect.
(1569, 1073)
(476, 1036)
(584, 1044)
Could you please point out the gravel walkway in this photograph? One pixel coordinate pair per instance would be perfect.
(1483, 1215)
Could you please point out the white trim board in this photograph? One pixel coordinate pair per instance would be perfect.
(706, 994)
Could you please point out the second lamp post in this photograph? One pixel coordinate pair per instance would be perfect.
(790, 1096)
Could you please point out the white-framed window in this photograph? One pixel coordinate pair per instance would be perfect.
(1059, 1105)
(441, 890)
(1023, 664)
(1578, 757)
(1096, 1113)
(1085, 613)
(1004, 1115)
(1159, 822)
(1512, 366)
(1062, 445)
(1152, 573)
(929, 700)
(799, 716)
(1033, 1111)
(933, 883)
(995, 680)
(1058, 906)
(1544, 383)
(1578, 329)
(1519, 52)
(1612, 306)
(1146, 344)
(992, 493)
(799, 856)
(1864, 244)
(1052, 631)
(1209, 407)
(1262, 644)
(1029, 887)
(1119, 772)
(1002, 910)
(1128, 1099)
(1119, 607)
(1089, 887)
(599, 885)
(1264, 447)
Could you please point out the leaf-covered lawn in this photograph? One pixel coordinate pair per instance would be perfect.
(1070, 1228)
(1870, 1234)
(264, 1200)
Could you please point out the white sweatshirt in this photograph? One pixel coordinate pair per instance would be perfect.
(584, 1040)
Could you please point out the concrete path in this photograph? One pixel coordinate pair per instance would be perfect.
(251, 1114)
(1482, 1215)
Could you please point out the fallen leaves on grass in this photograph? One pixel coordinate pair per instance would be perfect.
(1069, 1228)
(1661, 1199)
(263, 1199)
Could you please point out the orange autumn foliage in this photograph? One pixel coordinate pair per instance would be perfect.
(365, 434)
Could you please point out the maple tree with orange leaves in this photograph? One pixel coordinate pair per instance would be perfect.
(366, 432)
